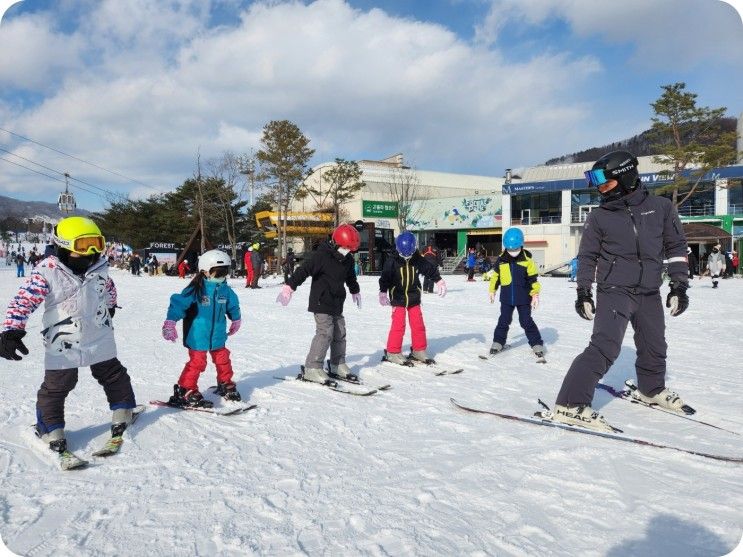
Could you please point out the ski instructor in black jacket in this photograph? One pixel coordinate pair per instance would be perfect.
(625, 242)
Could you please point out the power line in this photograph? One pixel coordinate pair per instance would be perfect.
(52, 177)
(107, 192)
(81, 160)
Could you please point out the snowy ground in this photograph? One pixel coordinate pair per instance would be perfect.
(399, 473)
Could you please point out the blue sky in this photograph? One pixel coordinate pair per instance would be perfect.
(463, 86)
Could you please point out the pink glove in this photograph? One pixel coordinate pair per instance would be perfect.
(169, 332)
(285, 295)
(384, 299)
(535, 302)
(441, 288)
(234, 327)
(356, 299)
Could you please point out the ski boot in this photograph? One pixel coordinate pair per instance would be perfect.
(184, 397)
(582, 416)
(396, 358)
(342, 371)
(539, 353)
(228, 391)
(55, 439)
(665, 399)
(316, 375)
(120, 420)
(496, 348)
(421, 356)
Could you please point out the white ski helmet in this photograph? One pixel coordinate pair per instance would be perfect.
(213, 258)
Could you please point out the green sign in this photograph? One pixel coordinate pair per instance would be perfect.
(384, 209)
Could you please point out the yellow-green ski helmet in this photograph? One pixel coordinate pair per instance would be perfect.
(80, 235)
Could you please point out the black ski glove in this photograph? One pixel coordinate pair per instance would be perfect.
(677, 299)
(584, 304)
(10, 341)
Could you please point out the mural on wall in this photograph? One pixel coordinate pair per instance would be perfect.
(456, 212)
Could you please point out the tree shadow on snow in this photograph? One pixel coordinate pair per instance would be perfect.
(668, 535)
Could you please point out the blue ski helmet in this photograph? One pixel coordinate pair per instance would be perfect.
(513, 239)
(406, 244)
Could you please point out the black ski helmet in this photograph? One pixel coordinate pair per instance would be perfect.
(622, 167)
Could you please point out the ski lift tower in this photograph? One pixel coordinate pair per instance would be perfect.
(66, 201)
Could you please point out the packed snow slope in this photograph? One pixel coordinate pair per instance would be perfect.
(402, 472)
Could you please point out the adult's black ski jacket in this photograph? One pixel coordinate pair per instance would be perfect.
(625, 243)
(329, 270)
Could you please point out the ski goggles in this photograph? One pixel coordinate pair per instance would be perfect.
(84, 245)
(219, 272)
(595, 177)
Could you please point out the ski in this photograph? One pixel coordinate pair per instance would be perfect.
(429, 364)
(66, 459)
(355, 380)
(225, 411)
(331, 385)
(626, 395)
(541, 418)
(114, 443)
(70, 461)
(490, 356)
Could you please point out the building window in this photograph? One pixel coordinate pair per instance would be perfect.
(701, 202)
(735, 197)
(583, 202)
(541, 208)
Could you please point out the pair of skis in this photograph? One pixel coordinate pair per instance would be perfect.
(544, 418)
(430, 365)
(350, 385)
(68, 460)
(540, 357)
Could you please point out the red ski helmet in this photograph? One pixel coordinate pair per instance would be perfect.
(346, 236)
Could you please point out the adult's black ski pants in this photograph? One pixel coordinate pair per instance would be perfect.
(615, 308)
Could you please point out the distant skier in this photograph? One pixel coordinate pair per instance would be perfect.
(573, 270)
(248, 262)
(330, 266)
(623, 246)
(516, 273)
(716, 264)
(471, 264)
(692, 262)
(183, 269)
(431, 255)
(20, 262)
(79, 304)
(257, 262)
(400, 287)
(288, 265)
(204, 305)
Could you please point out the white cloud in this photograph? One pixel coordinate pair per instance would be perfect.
(157, 86)
(34, 55)
(664, 33)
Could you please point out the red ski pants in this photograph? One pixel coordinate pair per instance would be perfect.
(397, 330)
(248, 276)
(189, 378)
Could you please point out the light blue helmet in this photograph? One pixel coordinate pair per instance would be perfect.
(513, 239)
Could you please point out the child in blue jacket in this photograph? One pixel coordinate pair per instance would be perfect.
(516, 273)
(203, 305)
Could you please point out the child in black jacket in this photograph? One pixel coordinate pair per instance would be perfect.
(330, 266)
(400, 287)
